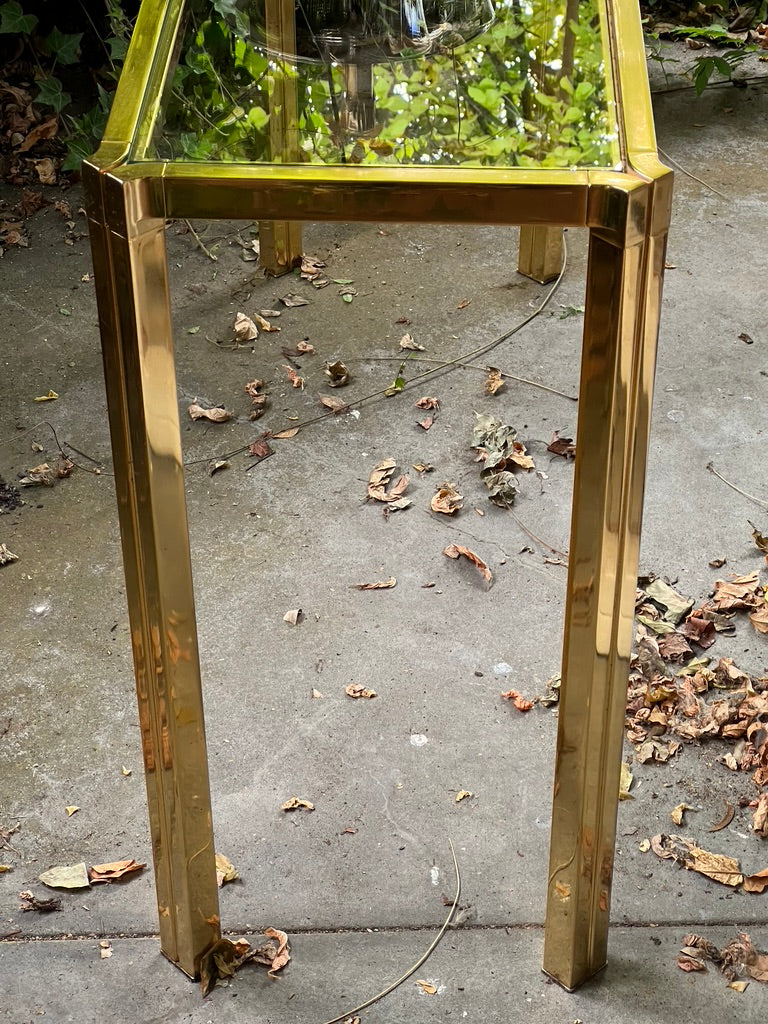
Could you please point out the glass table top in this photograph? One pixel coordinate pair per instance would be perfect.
(483, 83)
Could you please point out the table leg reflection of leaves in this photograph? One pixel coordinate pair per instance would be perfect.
(539, 172)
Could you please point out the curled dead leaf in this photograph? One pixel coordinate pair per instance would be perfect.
(457, 550)
(283, 435)
(677, 813)
(114, 870)
(562, 446)
(381, 585)
(294, 378)
(447, 500)
(293, 617)
(244, 329)
(305, 348)
(463, 794)
(215, 415)
(518, 700)
(338, 374)
(426, 987)
(428, 402)
(265, 325)
(726, 819)
(495, 381)
(356, 691)
(225, 870)
(294, 803)
(407, 342)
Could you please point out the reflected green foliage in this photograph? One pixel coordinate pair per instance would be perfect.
(530, 91)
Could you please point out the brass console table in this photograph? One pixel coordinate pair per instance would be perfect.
(328, 126)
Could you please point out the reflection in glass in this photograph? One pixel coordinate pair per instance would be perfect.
(414, 82)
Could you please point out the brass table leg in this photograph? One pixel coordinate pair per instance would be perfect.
(620, 330)
(540, 252)
(280, 241)
(132, 289)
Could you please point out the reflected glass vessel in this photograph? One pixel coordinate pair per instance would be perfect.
(415, 82)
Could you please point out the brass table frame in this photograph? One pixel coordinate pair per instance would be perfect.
(627, 213)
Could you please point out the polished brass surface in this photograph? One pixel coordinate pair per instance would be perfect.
(132, 293)
(540, 253)
(143, 174)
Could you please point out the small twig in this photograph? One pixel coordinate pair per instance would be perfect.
(555, 551)
(758, 501)
(201, 243)
(420, 961)
(680, 167)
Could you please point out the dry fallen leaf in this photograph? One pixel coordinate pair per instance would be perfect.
(338, 374)
(105, 949)
(382, 585)
(293, 616)
(296, 804)
(284, 435)
(726, 819)
(68, 876)
(757, 882)
(283, 954)
(562, 446)
(116, 869)
(456, 550)
(72, 809)
(426, 986)
(463, 794)
(760, 816)
(7, 556)
(225, 870)
(265, 325)
(294, 378)
(407, 342)
(447, 500)
(31, 902)
(336, 405)
(305, 348)
(429, 402)
(215, 415)
(495, 381)
(677, 813)
(356, 691)
(315, 694)
(51, 396)
(518, 700)
(292, 299)
(245, 329)
(625, 783)
(759, 619)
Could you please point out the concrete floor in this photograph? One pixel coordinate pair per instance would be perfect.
(361, 907)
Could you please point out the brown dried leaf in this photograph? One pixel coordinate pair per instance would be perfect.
(283, 954)
(463, 794)
(380, 476)
(426, 423)
(562, 446)
(356, 691)
(407, 342)
(738, 592)
(296, 804)
(740, 957)
(261, 448)
(283, 435)
(39, 476)
(336, 405)
(294, 378)
(225, 870)
(265, 325)
(759, 619)
(382, 585)
(674, 647)
(726, 819)
(305, 348)
(428, 402)
(426, 986)
(292, 299)
(517, 699)
(757, 882)
(677, 813)
(456, 550)
(215, 415)
(760, 539)
(245, 329)
(338, 374)
(116, 869)
(447, 500)
(41, 906)
(495, 381)
(293, 616)
(690, 963)
(760, 816)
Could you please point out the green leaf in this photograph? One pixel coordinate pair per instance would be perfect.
(347, 297)
(64, 47)
(51, 94)
(14, 21)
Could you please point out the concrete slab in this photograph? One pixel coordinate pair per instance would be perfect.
(294, 532)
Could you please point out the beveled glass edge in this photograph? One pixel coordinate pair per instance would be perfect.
(142, 81)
